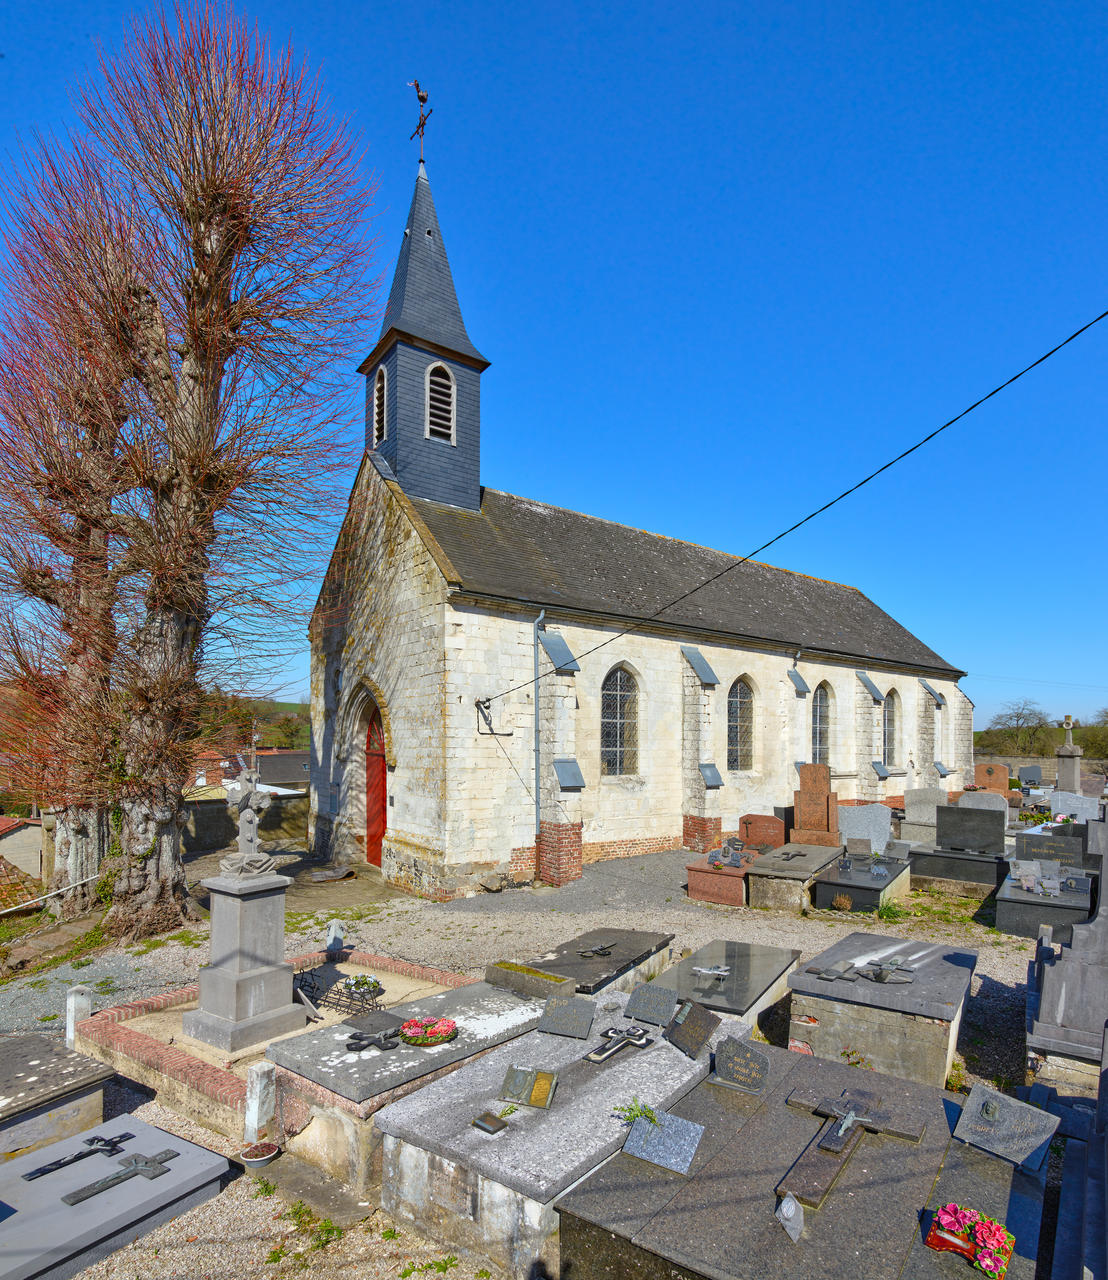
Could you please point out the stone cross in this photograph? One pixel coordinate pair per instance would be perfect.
(133, 1166)
(362, 1040)
(846, 1120)
(892, 970)
(245, 795)
(93, 1147)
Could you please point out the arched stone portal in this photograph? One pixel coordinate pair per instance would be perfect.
(364, 734)
(376, 789)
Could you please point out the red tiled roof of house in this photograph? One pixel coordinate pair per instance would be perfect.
(9, 823)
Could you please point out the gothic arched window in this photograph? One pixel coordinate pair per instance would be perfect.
(821, 725)
(740, 725)
(441, 409)
(888, 729)
(619, 723)
(380, 390)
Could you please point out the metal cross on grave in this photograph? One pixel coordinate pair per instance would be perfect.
(96, 1146)
(848, 1118)
(133, 1166)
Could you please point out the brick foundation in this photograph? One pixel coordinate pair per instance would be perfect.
(603, 850)
(559, 852)
(700, 834)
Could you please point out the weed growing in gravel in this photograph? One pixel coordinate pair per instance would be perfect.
(48, 1017)
(300, 1215)
(956, 1081)
(325, 1233)
(82, 962)
(891, 912)
(275, 1255)
(150, 944)
(263, 1187)
(483, 1274)
(106, 986)
(390, 1233)
(186, 938)
(439, 1265)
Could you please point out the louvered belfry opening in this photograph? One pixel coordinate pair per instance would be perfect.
(440, 402)
(379, 407)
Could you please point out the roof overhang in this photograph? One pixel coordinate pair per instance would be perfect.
(394, 335)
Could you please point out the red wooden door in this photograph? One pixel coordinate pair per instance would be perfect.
(376, 800)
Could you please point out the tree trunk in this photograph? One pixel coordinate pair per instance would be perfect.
(149, 890)
(82, 840)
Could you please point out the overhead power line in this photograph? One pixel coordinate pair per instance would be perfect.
(827, 505)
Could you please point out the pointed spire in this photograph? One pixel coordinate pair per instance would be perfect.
(423, 301)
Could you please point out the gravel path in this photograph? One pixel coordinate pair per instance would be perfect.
(238, 1232)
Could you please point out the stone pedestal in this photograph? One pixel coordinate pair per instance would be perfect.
(1069, 762)
(246, 990)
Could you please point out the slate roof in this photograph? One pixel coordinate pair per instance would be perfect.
(519, 550)
(423, 301)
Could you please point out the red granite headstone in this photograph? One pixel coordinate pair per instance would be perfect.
(993, 777)
(762, 830)
(815, 807)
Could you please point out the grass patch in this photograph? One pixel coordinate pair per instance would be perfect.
(48, 1017)
(263, 1187)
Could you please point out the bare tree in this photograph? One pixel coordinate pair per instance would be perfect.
(230, 306)
(1024, 723)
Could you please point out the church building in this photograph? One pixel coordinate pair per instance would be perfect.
(438, 756)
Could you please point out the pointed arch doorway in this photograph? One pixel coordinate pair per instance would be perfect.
(376, 791)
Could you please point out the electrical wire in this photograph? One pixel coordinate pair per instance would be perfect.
(820, 510)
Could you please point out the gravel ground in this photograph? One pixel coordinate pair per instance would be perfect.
(237, 1232)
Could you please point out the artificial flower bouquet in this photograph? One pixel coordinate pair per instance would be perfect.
(364, 984)
(983, 1241)
(428, 1030)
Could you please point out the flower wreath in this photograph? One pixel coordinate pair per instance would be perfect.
(428, 1030)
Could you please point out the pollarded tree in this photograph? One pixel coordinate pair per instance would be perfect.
(232, 310)
(1024, 724)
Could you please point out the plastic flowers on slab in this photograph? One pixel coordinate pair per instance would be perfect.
(428, 1030)
(952, 1217)
(363, 982)
(983, 1241)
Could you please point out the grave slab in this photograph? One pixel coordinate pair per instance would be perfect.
(47, 1092)
(725, 886)
(1023, 913)
(635, 1221)
(782, 877)
(493, 1193)
(920, 804)
(43, 1238)
(485, 1016)
(872, 822)
(620, 959)
(906, 1025)
(857, 882)
(756, 977)
(931, 863)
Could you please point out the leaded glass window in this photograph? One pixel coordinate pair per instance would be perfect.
(740, 726)
(888, 729)
(821, 725)
(619, 723)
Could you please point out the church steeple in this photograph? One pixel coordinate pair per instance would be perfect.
(423, 407)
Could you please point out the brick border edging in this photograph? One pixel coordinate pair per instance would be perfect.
(217, 1083)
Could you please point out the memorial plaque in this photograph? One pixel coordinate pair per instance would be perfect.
(790, 1214)
(857, 848)
(488, 1122)
(651, 1003)
(568, 1016)
(529, 1086)
(1077, 884)
(740, 1066)
(671, 1143)
(691, 1028)
(1005, 1127)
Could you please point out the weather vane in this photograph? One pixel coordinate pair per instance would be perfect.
(424, 116)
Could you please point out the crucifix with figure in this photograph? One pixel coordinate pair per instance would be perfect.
(846, 1120)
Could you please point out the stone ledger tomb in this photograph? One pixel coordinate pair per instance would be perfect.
(47, 1093)
(739, 978)
(782, 878)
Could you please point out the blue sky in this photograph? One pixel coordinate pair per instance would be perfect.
(726, 259)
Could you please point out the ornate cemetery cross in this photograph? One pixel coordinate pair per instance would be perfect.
(93, 1147)
(140, 1166)
(848, 1118)
(633, 1037)
(383, 1040)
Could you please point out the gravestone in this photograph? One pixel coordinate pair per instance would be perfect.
(1030, 775)
(691, 1027)
(1058, 844)
(246, 988)
(762, 830)
(567, 1016)
(970, 830)
(740, 978)
(1071, 804)
(718, 1219)
(1005, 1127)
(47, 1093)
(781, 879)
(871, 822)
(993, 777)
(1069, 762)
(607, 959)
(652, 1002)
(725, 885)
(896, 1004)
(64, 1220)
(1067, 990)
(983, 800)
(815, 808)
(920, 804)
(493, 1194)
(866, 882)
(1023, 912)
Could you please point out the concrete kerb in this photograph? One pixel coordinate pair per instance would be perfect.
(210, 1095)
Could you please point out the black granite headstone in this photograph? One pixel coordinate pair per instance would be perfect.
(740, 1066)
(691, 1028)
(651, 1003)
(568, 1016)
(975, 830)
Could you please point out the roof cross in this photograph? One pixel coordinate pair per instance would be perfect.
(424, 116)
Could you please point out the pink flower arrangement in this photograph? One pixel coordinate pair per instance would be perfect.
(983, 1241)
(428, 1030)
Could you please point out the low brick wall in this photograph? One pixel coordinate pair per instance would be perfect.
(213, 1096)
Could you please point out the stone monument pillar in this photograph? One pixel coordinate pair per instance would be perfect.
(1069, 762)
(246, 990)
